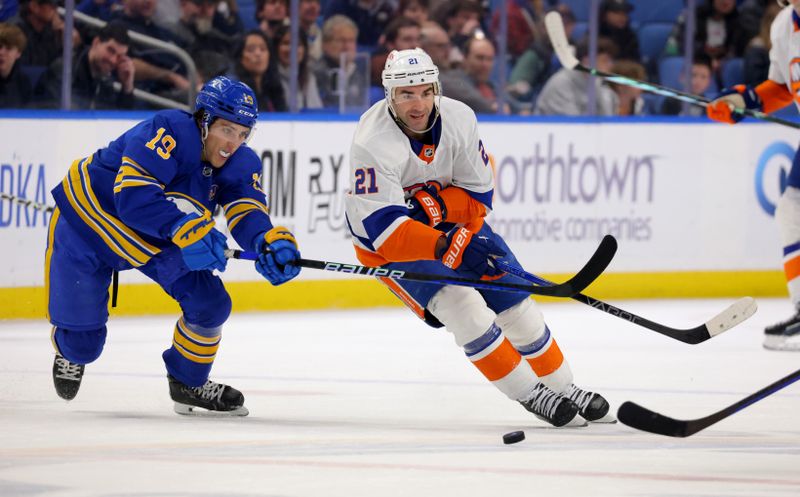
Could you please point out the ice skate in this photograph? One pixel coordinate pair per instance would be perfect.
(592, 406)
(211, 399)
(784, 335)
(67, 377)
(552, 407)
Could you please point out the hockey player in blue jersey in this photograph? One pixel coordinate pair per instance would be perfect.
(146, 202)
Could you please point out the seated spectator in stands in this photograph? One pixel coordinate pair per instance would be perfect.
(203, 28)
(256, 67)
(701, 80)
(533, 67)
(565, 93)
(100, 9)
(416, 10)
(155, 70)
(94, 72)
(525, 24)
(271, 14)
(15, 87)
(309, 23)
(43, 29)
(461, 19)
(339, 35)
(470, 84)
(401, 34)
(751, 12)
(371, 17)
(629, 99)
(307, 91)
(756, 55)
(718, 32)
(436, 43)
(8, 9)
(615, 25)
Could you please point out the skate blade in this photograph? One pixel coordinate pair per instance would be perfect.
(576, 422)
(781, 344)
(607, 419)
(187, 410)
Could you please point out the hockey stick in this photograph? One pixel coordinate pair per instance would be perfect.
(727, 319)
(583, 278)
(26, 202)
(558, 38)
(644, 419)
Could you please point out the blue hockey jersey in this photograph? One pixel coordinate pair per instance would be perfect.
(125, 198)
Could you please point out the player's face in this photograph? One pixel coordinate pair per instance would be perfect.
(224, 138)
(414, 105)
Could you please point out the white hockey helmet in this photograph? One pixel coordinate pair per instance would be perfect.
(409, 67)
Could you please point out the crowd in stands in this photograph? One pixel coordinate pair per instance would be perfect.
(343, 45)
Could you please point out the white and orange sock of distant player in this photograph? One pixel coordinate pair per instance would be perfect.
(525, 328)
(787, 214)
(465, 314)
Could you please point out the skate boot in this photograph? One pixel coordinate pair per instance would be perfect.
(784, 335)
(549, 406)
(212, 399)
(67, 377)
(592, 406)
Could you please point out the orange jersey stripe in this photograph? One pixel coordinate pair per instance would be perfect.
(548, 362)
(461, 208)
(791, 268)
(411, 241)
(500, 362)
(774, 96)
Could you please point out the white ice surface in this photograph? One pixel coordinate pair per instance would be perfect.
(375, 403)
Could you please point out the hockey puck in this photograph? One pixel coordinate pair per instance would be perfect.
(513, 437)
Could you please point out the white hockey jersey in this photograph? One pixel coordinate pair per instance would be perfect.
(386, 168)
(784, 56)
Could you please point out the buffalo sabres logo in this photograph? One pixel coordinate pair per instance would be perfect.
(247, 99)
(257, 182)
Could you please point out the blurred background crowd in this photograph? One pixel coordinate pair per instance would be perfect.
(327, 55)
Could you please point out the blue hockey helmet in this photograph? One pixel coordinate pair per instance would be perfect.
(229, 99)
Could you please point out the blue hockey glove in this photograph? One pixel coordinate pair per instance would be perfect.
(276, 250)
(202, 247)
(427, 207)
(739, 96)
(470, 254)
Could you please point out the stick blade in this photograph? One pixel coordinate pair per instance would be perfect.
(737, 313)
(642, 418)
(593, 269)
(558, 38)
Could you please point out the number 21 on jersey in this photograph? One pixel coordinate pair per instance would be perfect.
(365, 181)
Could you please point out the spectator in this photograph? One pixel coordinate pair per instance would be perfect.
(271, 14)
(756, 55)
(434, 40)
(471, 83)
(629, 99)
(525, 24)
(718, 33)
(701, 81)
(101, 9)
(401, 34)
(203, 27)
(257, 68)
(533, 67)
(461, 19)
(307, 91)
(15, 88)
(309, 23)
(750, 14)
(156, 69)
(615, 25)
(94, 72)
(371, 17)
(565, 93)
(43, 30)
(416, 10)
(209, 65)
(339, 35)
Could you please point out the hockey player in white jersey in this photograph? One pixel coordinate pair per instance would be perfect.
(779, 90)
(421, 184)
